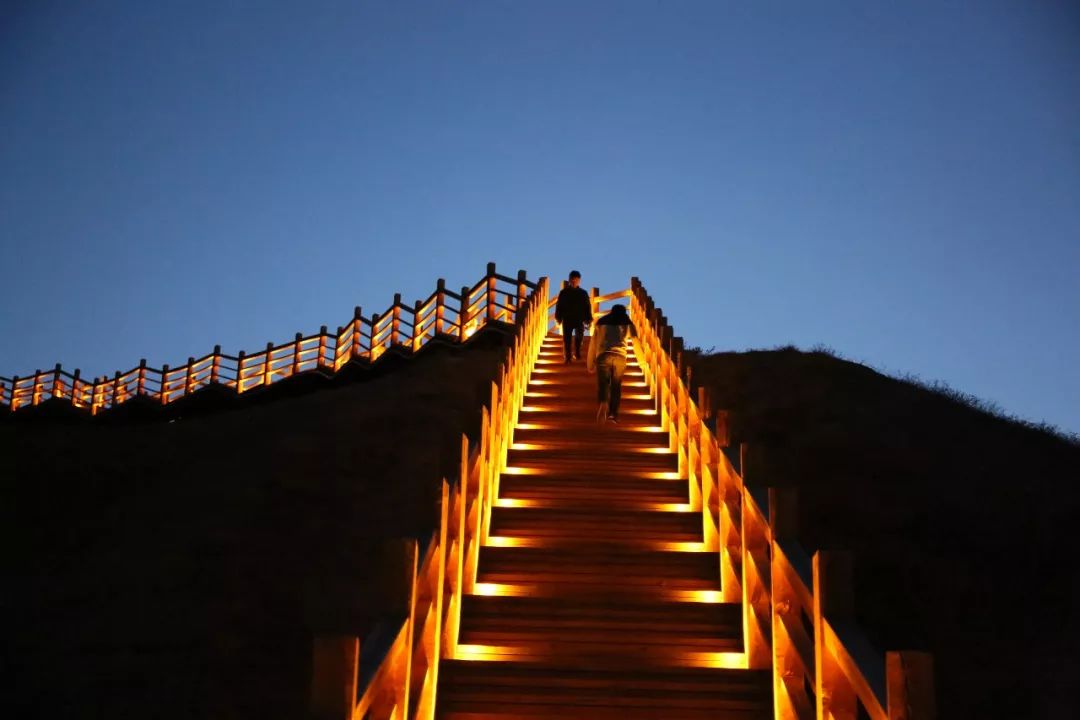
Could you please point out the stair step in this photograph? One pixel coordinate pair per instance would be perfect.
(575, 488)
(588, 523)
(605, 566)
(477, 689)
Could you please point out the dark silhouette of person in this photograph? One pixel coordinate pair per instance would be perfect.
(573, 310)
(607, 357)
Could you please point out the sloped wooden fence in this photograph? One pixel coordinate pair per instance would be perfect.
(445, 314)
(798, 611)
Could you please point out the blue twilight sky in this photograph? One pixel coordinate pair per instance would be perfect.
(900, 181)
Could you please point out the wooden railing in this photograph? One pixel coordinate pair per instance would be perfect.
(404, 683)
(444, 314)
(798, 612)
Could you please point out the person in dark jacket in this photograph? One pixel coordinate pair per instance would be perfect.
(608, 349)
(573, 311)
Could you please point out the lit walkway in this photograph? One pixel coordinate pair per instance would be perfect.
(594, 597)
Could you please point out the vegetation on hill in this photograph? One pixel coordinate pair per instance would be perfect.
(958, 517)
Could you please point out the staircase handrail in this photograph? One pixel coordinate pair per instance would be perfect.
(798, 612)
(404, 684)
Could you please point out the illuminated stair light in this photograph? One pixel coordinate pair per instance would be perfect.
(512, 470)
(502, 590)
(502, 541)
(730, 660)
(662, 475)
(529, 446)
(541, 395)
(696, 596)
(517, 503)
(642, 411)
(681, 546)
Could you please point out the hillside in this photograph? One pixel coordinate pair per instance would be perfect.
(959, 519)
(176, 565)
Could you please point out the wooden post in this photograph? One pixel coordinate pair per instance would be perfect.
(440, 305)
(335, 664)
(266, 363)
(240, 372)
(215, 365)
(358, 329)
(54, 391)
(36, 390)
(463, 313)
(491, 299)
(791, 646)
(416, 336)
(521, 291)
(75, 396)
(395, 322)
(756, 572)
(164, 385)
(140, 386)
(322, 347)
(189, 378)
(834, 602)
(296, 353)
(909, 679)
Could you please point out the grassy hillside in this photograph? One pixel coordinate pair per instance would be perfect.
(959, 519)
(177, 569)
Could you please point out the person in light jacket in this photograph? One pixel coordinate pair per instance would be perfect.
(573, 310)
(607, 357)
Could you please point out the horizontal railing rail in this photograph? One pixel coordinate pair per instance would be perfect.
(444, 314)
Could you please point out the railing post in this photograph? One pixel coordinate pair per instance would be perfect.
(463, 314)
(215, 365)
(322, 348)
(240, 372)
(358, 329)
(140, 384)
(55, 390)
(296, 354)
(189, 378)
(266, 364)
(909, 678)
(790, 644)
(395, 322)
(521, 291)
(416, 337)
(75, 380)
(834, 602)
(164, 385)
(756, 570)
(36, 389)
(335, 664)
(491, 298)
(440, 305)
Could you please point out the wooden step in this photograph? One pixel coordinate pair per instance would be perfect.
(604, 568)
(595, 633)
(574, 488)
(502, 690)
(601, 526)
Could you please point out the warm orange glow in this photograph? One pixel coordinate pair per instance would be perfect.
(491, 652)
(647, 429)
(642, 411)
(502, 541)
(534, 426)
(529, 446)
(513, 470)
(729, 660)
(661, 475)
(518, 503)
(536, 408)
(681, 546)
(697, 596)
(502, 590)
(656, 451)
(541, 395)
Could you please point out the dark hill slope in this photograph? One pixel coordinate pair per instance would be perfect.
(176, 569)
(960, 520)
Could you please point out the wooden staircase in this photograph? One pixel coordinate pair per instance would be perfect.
(595, 597)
